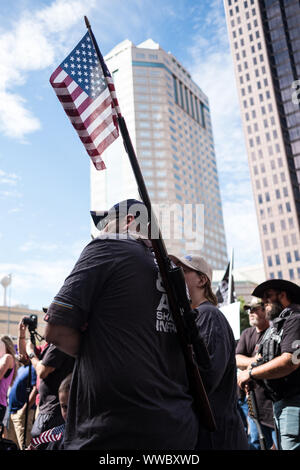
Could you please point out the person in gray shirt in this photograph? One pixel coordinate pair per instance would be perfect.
(222, 375)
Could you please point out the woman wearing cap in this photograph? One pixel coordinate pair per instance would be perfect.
(219, 339)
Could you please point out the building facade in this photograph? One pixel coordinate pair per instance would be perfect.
(245, 280)
(10, 317)
(265, 42)
(169, 123)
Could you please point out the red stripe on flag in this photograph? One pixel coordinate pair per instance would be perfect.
(54, 75)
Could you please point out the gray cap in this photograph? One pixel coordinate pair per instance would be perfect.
(195, 262)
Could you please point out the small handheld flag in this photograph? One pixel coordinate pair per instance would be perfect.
(84, 87)
(52, 435)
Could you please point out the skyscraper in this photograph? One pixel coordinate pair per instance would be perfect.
(168, 119)
(265, 43)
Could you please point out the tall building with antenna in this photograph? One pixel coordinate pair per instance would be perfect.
(265, 43)
(168, 119)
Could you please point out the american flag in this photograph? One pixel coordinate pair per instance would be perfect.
(86, 91)
(52, 435)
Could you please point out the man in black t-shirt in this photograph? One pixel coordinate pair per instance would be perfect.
(129, 387)
(279, 350)
(246, 351)
(51, 366)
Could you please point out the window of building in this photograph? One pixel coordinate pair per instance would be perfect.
(277, 260)
(294, 239)
(192, 104)
(291, 274)
(288, 257)
(187, 100)
(283, 224)
(279, 274)
(175, 89)
(291, 222)
(269, 261)
(274, 243)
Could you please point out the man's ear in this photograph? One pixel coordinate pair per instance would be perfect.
(282, 297)
(202, 280)
(128, 220)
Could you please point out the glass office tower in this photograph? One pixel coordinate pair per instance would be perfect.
(265, 43)
(168, 119)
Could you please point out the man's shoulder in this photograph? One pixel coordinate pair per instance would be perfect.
(209, 313)
(111, 242)
(248, 332)
(207, 309)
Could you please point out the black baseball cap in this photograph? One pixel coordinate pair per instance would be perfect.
(123, 207)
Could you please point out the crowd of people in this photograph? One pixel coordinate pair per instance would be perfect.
(112, 374)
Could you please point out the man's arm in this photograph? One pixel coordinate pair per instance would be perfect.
(243, 362)
(42, 371)
(277, 368)
(65, 338)
(31, 400)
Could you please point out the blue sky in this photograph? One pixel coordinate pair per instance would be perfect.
(44, 169)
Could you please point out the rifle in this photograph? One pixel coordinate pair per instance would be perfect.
(253, 413)
(174, 284)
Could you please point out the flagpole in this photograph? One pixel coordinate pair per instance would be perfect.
(230, 278)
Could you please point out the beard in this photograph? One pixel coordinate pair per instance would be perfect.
(253, 322)
(273, 310)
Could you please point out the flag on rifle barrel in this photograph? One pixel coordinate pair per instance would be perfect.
(222, 291)
(85, 88)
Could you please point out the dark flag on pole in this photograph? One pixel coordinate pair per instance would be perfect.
(85, 88)
(223, 289)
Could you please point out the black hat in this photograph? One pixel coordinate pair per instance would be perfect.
(278, 285)
(125, 205)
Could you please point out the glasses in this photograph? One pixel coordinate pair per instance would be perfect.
(253, 310)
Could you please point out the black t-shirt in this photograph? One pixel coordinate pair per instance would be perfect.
(129, 388)
(48, 389)
(290, 385)
(219, 339)
(247, 346)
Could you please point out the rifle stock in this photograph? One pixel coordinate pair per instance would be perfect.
(253, 413)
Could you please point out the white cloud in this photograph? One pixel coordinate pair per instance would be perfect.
(37, 38)
(34, 246)
(36, 281)
(8, 178)
(212, 69)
